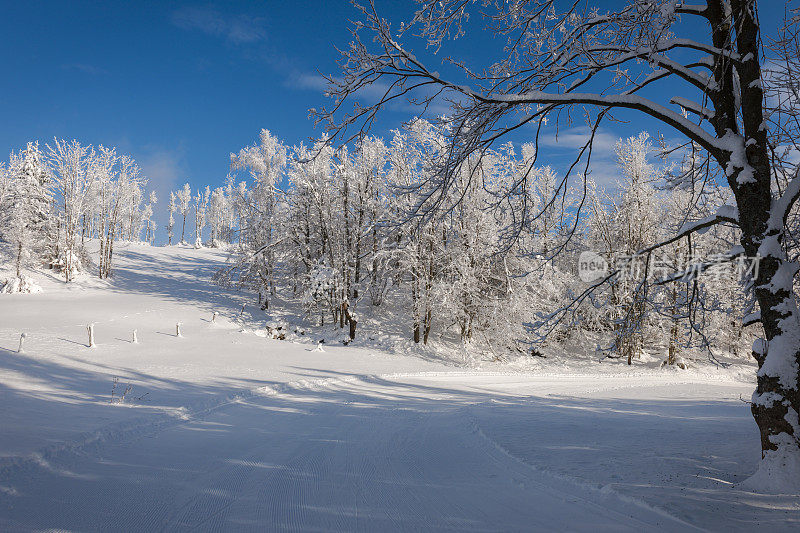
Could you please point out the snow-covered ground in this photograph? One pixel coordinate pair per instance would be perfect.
(224, 428)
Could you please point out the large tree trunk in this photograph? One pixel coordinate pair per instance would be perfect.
(776, 402)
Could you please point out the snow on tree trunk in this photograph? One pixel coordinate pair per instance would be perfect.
(776, 401)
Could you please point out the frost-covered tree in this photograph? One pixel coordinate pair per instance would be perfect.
(102, 170)
(624, 220)
(69, 161)
(231, 213)
(172, 206)
(26, 215)
(257, 207)
(200, 208)
(413, 155)
(347, 193)
(217, 210)
(148, 223)
(311, 217)
(184, 199)
(5, 182)
(134, 210)
(121, 193)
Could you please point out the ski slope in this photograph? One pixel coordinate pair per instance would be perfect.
(224, 429)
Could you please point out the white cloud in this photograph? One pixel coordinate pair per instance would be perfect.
(571, 138)
(372, 93)
(560, 151)
(165, 170)
(238, 29)
(604, 173)
(307, 80)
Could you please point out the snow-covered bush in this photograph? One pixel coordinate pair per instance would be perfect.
(22, 284)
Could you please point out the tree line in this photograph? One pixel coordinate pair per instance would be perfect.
(53, 199)
(343, 229)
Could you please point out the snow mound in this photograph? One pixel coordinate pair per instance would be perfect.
(778, 473)
(22, 284)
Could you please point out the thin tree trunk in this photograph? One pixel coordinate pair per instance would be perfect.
(350, 320)
(427, 331)
(19, 259)
(415, 308)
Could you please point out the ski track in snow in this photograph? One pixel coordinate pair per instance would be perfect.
(355, 459)
(245, 433)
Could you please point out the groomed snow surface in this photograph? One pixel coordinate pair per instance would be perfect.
(226, 429)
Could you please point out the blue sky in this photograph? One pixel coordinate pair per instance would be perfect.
(181, 85)
(177, 86)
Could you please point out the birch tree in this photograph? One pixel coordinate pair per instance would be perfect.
(69, 161)
(217, 211)
(147, 216)
(184, 199)
(200, 208)
(171, 207)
